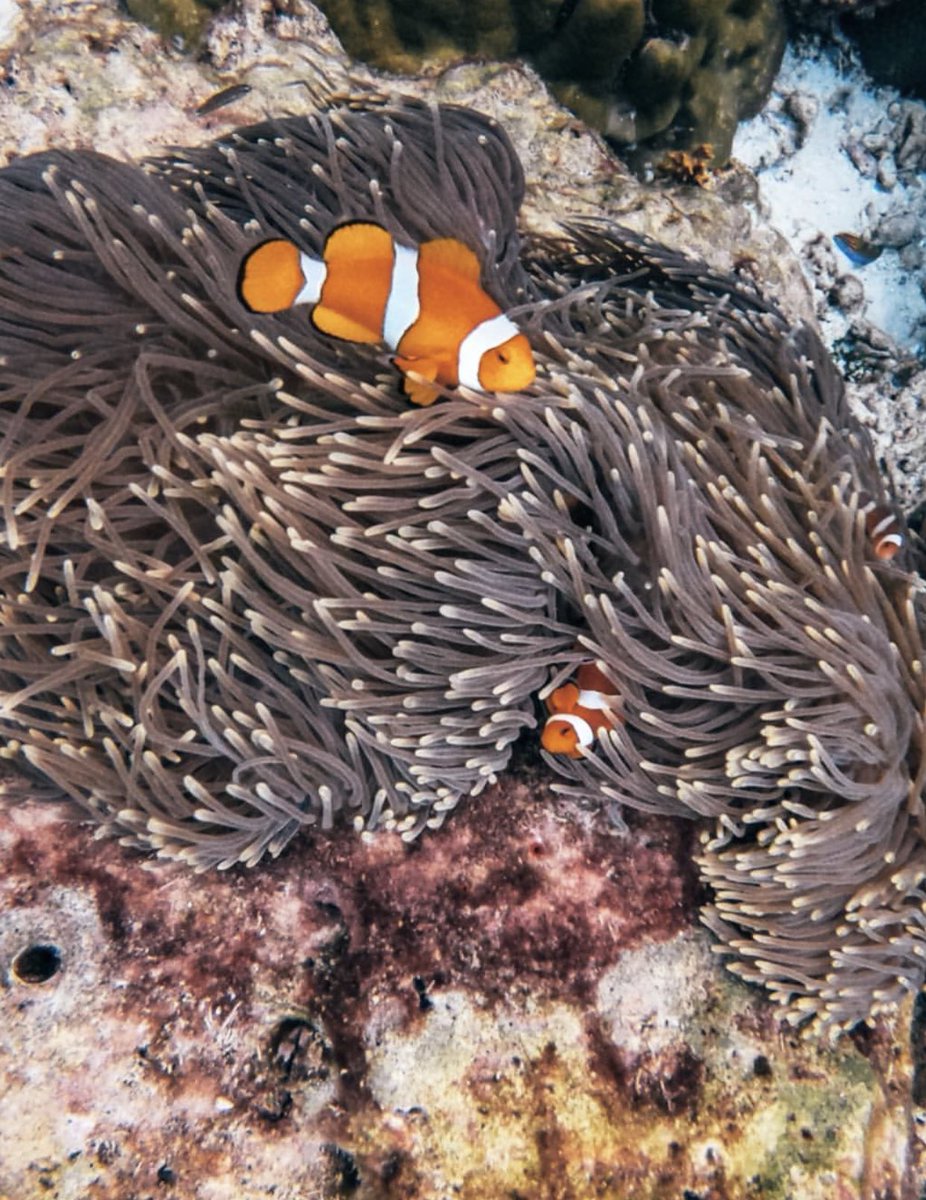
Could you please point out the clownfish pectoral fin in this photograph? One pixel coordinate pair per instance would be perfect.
(271, 277)
(419, 376)
(335, 324)
(450, 255)
(420, 393)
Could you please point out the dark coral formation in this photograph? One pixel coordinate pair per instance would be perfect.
(183, 19)
(890, 55)
(244, 588)
(671, 74)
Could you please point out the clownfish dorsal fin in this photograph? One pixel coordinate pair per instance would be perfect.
(270, 277)
(450, 255)
(357, 241)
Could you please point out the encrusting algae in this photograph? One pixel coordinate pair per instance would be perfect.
(246, 587)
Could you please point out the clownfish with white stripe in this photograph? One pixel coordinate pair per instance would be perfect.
(579, 711)
(424, 302)
(885, 531)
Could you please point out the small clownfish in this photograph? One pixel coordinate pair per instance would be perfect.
(579, 711)
(425, 303)
(884, 528)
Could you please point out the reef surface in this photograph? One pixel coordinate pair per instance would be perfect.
(836, 156)
(382, 1021)
(97, 1140)
(653, 77)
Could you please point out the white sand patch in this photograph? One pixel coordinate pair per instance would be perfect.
(9, 19)
(826, 150)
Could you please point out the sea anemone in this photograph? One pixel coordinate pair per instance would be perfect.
(239, 594)
(245, 588)
(700, 512)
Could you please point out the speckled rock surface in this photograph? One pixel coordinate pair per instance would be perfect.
(522, 1005)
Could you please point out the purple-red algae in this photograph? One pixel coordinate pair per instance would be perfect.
(334, 1023)
(364, 917)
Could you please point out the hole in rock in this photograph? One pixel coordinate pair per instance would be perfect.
(37, 963)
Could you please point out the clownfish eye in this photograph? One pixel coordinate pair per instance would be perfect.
(502, 356)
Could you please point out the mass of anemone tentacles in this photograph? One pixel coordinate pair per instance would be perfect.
(246, 588)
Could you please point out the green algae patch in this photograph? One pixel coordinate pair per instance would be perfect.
(556, 1098)
(800, 1136)
(184, 19)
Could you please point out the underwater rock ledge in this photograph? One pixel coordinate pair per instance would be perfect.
(245, 590)
(349, 1015)
(652, 77)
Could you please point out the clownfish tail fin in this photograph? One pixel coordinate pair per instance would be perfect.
(276, 275)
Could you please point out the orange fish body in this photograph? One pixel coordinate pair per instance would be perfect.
(424, 302)
(579, 711)
(884, 530)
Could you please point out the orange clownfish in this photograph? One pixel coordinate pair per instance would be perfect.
(884, 528)
(579, 711)
(424, 302)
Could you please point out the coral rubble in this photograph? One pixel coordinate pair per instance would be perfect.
(342, 1021)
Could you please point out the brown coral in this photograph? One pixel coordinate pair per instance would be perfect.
(652, 76)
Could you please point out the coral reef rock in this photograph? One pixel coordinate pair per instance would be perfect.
(838, 164)
(652, 77)
(384, 1020)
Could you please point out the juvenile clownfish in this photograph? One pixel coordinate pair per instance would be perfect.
(425, 303)
(579, 711)
(885, 531)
